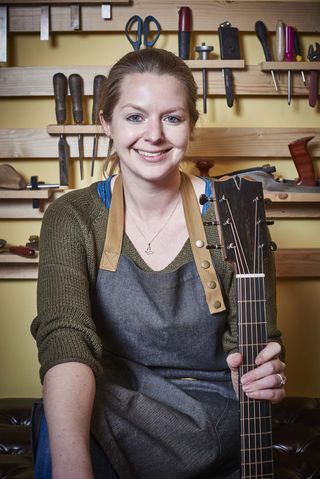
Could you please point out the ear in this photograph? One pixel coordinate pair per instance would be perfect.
(105, 125)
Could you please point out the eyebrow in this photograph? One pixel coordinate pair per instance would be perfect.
(137, 107)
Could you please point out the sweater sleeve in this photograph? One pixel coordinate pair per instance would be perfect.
(63, 328)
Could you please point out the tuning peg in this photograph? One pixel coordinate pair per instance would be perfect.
(273, 246)
(268, 201)
(214, 246)
(205, 199)
(211, 223)
(270, 222)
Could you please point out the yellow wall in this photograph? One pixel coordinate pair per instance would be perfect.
(298, 300)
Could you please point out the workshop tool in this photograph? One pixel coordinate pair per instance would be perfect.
(99, 82)
(229, 49)
(143, 29)
(19, 250)
(33, 242)
(280, 43)
(3, 32)
(262, 34)
(60, 88)
(289, 57)
(184, 32)
(313, 56)
(44, 22)
(75, 16)
(10, 179)
(203, 51)
(297, 53)
(303, 161)
(76, 91)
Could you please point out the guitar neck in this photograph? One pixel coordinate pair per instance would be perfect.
(255, 415)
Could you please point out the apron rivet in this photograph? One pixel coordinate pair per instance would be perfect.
(199, 244)
(217, 304)
(205, 264)
(212, 285)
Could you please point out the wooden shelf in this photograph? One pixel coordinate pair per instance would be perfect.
(292, 66)
(207, 143)
(21, 208)
(290, 263)
(25, 194)
(214, 64)
(248, 81)
(207, 15)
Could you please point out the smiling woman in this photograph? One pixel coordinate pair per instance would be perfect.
(136, 324)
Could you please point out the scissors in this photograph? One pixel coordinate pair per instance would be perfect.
(143, 27)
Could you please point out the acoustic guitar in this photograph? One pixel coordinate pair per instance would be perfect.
(242, 225)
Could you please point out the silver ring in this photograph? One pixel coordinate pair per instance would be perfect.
(282, 379)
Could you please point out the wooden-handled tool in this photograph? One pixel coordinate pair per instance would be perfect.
(184, 32)
(98, 85)
(303, 161)
(19, 250)
(60, 87)
(76, 90)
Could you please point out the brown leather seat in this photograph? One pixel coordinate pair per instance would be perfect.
(296, 436)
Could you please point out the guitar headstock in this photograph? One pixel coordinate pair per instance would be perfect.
(239, 205)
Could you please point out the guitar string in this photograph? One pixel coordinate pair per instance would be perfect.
(257, 307)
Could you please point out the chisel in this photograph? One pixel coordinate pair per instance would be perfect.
(98, 85)
(60, 88)
(280, 42)
(297, 53)
(261, 31)
(229, 50)
(75, 16)
(3, 32)
(289, 57)
(76, 90)
(184, 32)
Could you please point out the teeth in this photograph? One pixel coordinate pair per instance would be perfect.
(148, 153)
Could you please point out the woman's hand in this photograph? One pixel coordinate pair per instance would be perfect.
(267, 380)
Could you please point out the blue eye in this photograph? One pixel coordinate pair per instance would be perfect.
(173, 119)
(135, 118)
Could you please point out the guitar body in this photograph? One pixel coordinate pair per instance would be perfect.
(240, 211)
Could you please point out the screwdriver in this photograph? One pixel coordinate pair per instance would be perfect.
(261, 31)
(98, 84)
(76, 90)
(289, 57)
(280, 42)
(60, 88)
(297, 53)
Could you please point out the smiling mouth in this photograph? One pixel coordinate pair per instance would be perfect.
(152, 154)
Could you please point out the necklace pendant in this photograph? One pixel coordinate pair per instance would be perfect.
(149, 250)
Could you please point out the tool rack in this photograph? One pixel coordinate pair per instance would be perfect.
(209, 143)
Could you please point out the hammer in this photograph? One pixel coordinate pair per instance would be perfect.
(20, 250)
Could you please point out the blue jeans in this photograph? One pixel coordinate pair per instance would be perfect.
(102, 467)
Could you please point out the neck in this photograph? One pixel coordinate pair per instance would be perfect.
(145, 198)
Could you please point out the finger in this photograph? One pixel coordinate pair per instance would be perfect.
(273, 395)
(234, 360)
(269, 368)
(271, 351)
(268, 382)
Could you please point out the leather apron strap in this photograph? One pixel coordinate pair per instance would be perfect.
(197, 235)
(201, 254)
(113, 242)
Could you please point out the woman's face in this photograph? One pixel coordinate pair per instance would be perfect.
(150, 125)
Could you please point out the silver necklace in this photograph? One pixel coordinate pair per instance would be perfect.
(149, 250)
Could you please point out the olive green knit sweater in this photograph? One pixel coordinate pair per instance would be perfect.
(71, 244)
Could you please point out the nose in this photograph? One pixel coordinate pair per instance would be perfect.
(153, 132)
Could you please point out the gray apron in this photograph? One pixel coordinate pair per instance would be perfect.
(165, 406)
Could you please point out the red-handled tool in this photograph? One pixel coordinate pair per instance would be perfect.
(19, 250)
(184, 32)
(289, 57)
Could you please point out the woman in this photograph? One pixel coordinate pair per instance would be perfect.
(136, 341)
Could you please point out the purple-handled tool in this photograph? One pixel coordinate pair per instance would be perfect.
(289, 56)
